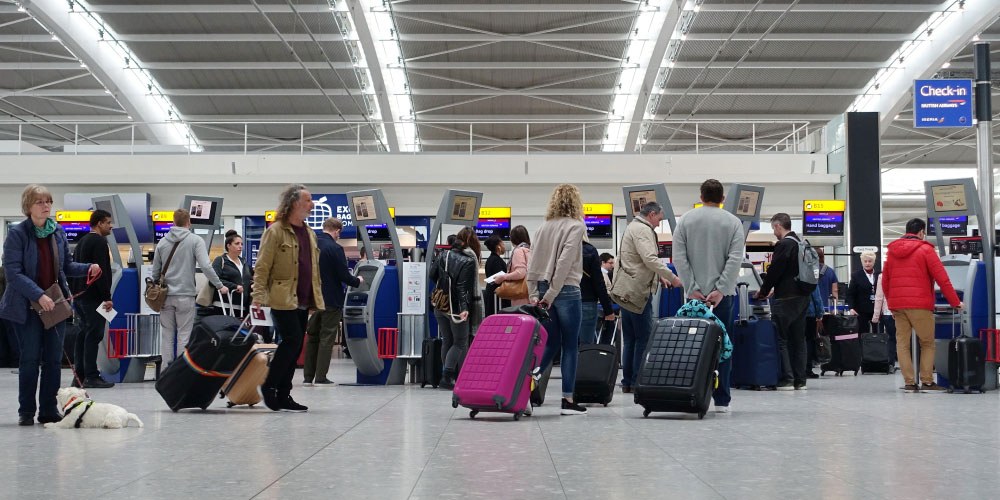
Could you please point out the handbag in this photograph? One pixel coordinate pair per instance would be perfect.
(512, 289)
(440, 298)
(207, 293)
(62, 310)
(824, 351)
(155, 294)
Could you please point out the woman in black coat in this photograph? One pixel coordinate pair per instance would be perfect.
(457, 271)
(861, 291)
(234, 273)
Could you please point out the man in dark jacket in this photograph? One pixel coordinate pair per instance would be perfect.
(789, 306)
(911, 269)
(93, 247)
(593, 289)
(325, 325)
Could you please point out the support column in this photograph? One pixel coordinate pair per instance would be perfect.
(864, 185)
(984, 146)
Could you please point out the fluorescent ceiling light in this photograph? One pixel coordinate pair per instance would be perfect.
(385, 38)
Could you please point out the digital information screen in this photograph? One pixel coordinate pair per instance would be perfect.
(665, 250)
(202, 212)
(966, 245)
(75, 230)
(488, 227)
(598, 226)
(823, 224)
(950, 226)
(160, 230)
(378, 232)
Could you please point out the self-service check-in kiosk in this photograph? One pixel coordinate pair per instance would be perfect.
(744, 201)
(665, 302)
(952, 198)
(372, 308)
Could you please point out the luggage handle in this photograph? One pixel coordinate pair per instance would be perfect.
(222, 300)
(246, 321)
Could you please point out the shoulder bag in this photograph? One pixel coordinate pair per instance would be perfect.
(156, 291)
(62, 310)
(440, 298)
(513, 289)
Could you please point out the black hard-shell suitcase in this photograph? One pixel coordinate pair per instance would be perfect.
(538, 393)
(596, 372)
(677, 373)
(195, 378)
(875, 353)
(966, 366)
(431, 363)
(845, 345)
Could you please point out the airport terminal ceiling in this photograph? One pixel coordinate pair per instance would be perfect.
(443, 76)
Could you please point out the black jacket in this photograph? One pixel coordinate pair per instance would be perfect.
(860, 293)
(462, 269)
(592, 286)
(784, 269)
(333, 271)
(93, 248)
(230, 276)
(494, 264)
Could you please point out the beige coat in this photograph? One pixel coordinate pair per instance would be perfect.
(276, 273)
(638, 267)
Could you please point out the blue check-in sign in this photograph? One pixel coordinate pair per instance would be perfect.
(942, 103)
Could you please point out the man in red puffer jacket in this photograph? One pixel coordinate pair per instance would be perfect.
(911, 268)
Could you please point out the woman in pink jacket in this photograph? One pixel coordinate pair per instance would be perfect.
(519, 259)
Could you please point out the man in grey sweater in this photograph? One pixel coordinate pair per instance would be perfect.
(708, 250)
(177, 315)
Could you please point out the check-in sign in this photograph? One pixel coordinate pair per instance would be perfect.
(942, 103)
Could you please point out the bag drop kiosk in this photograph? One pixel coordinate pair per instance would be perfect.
(635, 197)
(374, 304)
(457, 208)
(744, 201)
(952, 198)
(126, 291)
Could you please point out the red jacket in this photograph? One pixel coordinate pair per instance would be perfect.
(911, 268)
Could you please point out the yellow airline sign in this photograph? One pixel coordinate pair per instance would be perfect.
(162, 216)
(494, 213)
(392, 212)
(72, 216)
(270, 215)
(823, 205)
(598, 209)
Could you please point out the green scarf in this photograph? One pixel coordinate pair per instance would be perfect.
(46, 230)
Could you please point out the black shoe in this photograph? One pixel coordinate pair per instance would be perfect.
(291, 406)
(271, 398)
(48, 419)
(76, 383)
(447, 383)
(572, 408)
(326, 382)
(97, 383)
(811, 374)
(785, 386)
(25, 420)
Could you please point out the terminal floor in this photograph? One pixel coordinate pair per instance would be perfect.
(850, 437)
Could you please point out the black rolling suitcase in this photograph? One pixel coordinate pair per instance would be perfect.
(218, 345)
(966, 366)
(538, 393)
(431, 363)
(677, 373)
(845, 346)
(596, 372)
(875, 353)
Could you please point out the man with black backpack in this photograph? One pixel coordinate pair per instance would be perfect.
(793, 275)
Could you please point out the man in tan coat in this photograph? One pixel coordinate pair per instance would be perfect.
(634, 283)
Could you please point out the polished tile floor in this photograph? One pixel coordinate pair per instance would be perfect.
(850, 437)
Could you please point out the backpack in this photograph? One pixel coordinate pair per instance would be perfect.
(808, 260)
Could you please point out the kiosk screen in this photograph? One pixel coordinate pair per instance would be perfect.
(487, 227)
(107, 206)
(598, 226)
(950, 226)
(464, 208)
(665, 250)
(747, 203)
(640, 198)
(203, 212)
(367, 273)
(949, 198)
(364, 208)
(968, 245)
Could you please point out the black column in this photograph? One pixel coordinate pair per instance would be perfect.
(864, 185)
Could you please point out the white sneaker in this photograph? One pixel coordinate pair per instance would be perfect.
(724, 409)
(528, 410)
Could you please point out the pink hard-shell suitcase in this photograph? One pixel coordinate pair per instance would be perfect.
(496, 374)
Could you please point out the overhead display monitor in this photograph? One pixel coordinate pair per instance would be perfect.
(823, 224)
(364, 208)
(162, 223)
(950, 226)
(206, 211)
(378, 232)
(598, 226)
(665, 250)
(74, 223)
(488, 227)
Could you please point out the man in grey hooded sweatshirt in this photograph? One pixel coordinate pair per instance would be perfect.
(177, 315)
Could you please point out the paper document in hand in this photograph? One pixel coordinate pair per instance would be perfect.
(108, 315)
(261, 316)
(493, 278)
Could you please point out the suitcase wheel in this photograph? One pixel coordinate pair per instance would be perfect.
(435, 386)
(422, 385)
(204, 408)
(473, 413)
(856, 372)
(229, 404)
(605, 405)
(951, 391)
(517, 416)
(645, 413)
(701, 414)
(173, 410)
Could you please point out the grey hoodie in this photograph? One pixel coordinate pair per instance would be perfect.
(180, 274)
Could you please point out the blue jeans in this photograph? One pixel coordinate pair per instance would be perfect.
(588, 325)
(40, 349)
(723, 395)
(563, 329)
(635, 333)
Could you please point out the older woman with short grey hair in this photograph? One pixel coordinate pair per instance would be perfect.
(861, 291)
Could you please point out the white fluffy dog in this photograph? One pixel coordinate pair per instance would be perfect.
(74, 403)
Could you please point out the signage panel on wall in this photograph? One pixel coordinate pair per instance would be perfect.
(823, 217)
(942, 103)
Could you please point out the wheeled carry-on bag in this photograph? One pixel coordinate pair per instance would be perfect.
(243, 386)
(875, 353)
(596, 374)
(538, 390)
(844, 344)
(496, 373)
(966, 365)
(194, 379)
(431, 363)
(755, 347)
(677, 373)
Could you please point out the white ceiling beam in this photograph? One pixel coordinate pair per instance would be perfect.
(519, 119)
(207, 8)
(40, 66)
(229, 37)
(802, 37)
(821, 65)
(263, 118)
(38, 120)
(762, 91)
(105, 63)
(544, 37)
(371, 54)
(27, 39)
(510, 8)
(53, 93)
(951, 34)
(749, 117)
(245, 65)
(515, 65)
(873, 7)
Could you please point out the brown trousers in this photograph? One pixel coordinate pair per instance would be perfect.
(922, 322)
